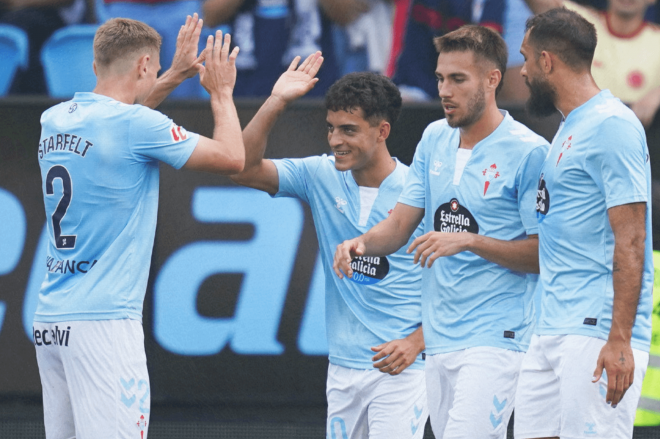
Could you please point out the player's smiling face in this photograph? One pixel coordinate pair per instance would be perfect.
(461, 88)
(353, 140)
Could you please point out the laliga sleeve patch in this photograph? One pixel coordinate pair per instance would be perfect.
(178, 133)
(369, 270)
(453, 218)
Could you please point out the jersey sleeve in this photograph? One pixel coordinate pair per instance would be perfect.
(527, 180)
(154, 136)
(295, 177)
(618, 165)
(414, 191)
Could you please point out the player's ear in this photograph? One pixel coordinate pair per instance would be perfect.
(384, 130)
(143, 65)
(493, 79)
(546, 61)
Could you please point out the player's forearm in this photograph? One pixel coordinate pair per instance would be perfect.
(521, 255)
(167, 82)
(227, 128)
(417, 338)
(393, 232)
(627, 269)
(255, 134)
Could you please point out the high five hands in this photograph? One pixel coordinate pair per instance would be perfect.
(298, 80)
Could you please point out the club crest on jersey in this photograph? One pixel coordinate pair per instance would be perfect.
(453, 218)
(368, 270)
(141, 425)
(564, 148)
(178, 133)
(490, 173)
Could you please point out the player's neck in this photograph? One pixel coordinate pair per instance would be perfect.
(117, 89)
(482, 128)
(624, 25)
(377, 170)
(574, 90)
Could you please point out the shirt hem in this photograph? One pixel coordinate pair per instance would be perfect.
(352, 364)
(445, 349)
(635, 344)
(87, 316)
(641, 198)
(410, 202)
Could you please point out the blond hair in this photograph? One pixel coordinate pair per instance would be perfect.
(119, 38)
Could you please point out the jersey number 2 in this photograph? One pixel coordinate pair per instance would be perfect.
(59, 171)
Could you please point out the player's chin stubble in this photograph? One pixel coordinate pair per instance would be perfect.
(475, 109)
(542, 98)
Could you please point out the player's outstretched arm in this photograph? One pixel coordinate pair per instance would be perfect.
(395, 356)
(224, 153)
(616, 357)
(297, 81)
(521, 255)
(185, 63)
(383, 239)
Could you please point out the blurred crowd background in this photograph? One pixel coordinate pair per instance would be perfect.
(393, 37)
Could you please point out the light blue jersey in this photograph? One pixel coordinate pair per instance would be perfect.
(599, 159)
(381, 302)
(99, 167)
(468, 301)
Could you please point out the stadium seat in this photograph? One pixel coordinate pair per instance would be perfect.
(13, 53)
(67, 59)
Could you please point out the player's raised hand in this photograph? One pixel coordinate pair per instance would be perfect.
(616, 357)
(186, 62)
(345, 253)
(298, 80)
(433, 245)
(219, 72)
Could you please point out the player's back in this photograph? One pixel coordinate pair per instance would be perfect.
(100, 181)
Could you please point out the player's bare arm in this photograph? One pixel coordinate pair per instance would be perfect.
(186, 63)
(395, 356)
(521, 255)
(224, 153)
(383, 239)
(541, 6)
(297, 81)
(616, 357)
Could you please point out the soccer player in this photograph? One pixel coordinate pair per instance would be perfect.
(473, 182)
(373, 320)
(589, 351)
(99, 155)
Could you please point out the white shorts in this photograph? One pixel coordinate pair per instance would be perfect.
(556, 397)
(370, 404)
(471, 392)
(94, 379)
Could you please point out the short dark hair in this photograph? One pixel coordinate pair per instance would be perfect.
(484, 43)
(376, 94)
(566, 34)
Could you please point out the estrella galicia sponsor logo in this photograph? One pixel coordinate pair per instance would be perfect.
(46, 337)
(368, 270)
(542, 199)
(453, 218)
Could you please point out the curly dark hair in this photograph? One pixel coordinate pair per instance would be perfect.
(376, 94)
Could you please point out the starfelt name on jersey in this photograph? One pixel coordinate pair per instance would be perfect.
(64, 142)
(68, 266)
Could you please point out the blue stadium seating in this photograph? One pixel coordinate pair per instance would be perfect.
(13, 53)
(67, 59)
